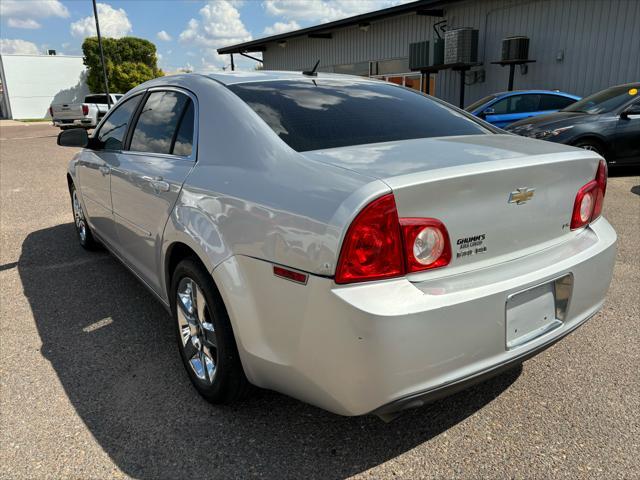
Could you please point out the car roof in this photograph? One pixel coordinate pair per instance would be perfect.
(547, 92)
(230, 78)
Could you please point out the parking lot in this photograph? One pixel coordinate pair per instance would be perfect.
(92, 385)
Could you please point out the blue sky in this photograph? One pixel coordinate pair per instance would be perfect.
(186, 33)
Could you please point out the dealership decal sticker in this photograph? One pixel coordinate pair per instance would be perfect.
(473, 245)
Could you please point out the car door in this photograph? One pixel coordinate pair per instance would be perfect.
(95, 166)
(511, 109)
(147, 181)
(627, 136)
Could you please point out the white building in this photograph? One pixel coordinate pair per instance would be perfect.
(30, 83)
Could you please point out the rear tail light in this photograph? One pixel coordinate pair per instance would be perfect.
(51, 112)
(590, 199)
(85, 109)
(379, 245)
(372, 248)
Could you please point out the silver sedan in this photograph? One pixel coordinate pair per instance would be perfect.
(354, 244)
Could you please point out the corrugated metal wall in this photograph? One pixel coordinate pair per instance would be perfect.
(598, 39)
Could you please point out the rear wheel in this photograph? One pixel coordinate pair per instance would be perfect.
(205, 337)
(85, 237)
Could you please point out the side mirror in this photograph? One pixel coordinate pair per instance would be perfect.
(631, 112)
(75, 137)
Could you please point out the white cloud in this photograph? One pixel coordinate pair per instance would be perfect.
(113, 23)
(22, 14)
(219, 25)
(188, 68)
(281, 27)
(35, 8)
(18, 46)
(164, 36)
(29, 23)
(320, 11)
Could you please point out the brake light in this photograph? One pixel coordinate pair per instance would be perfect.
(85, 109)
(378, 245)
(372, 247)
(51, 112)
(590, 199)
(601, 180)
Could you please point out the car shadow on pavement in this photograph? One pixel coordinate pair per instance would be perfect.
(113, 348)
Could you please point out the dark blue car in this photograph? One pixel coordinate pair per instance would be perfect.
(501, 109)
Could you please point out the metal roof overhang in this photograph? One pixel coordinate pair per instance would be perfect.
(421, 7)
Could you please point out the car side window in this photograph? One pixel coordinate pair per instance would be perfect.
(183, 143)
(158, 122)
(526, 103)
(114, 129)
(554, 102)
(501, 106)
(516, 104)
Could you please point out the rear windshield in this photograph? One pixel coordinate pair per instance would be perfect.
(95, 99)
(316, 114)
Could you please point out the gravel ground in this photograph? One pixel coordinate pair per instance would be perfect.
(92, 385)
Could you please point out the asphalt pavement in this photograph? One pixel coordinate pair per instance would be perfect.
(91, 384)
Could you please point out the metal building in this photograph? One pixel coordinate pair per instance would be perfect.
(579, 46)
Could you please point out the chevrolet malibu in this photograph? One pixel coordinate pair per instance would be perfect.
(349, 242)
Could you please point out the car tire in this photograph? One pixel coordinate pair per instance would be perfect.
(204, 335)
(592, 145)
(83, 231)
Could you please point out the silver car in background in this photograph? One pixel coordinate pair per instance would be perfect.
(349, 242)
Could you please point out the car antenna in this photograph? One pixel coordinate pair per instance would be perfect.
(312, 72)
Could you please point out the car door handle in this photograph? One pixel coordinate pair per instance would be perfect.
(157, 183)
(104, 170)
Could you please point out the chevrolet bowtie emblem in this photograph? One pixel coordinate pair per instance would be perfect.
(521, 195)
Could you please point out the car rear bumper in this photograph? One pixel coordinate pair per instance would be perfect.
(379, 347)
(79, 122)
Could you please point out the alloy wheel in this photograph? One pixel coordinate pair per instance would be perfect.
(79, 219)
(197, 333)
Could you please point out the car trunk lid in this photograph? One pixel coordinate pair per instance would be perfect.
(500, 196)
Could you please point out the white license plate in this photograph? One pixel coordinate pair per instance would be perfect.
(530, 314)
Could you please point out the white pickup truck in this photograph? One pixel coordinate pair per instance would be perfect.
(85, 115)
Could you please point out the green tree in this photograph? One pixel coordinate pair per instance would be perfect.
(130, 61)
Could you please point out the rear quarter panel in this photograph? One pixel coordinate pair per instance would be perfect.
(250, 194)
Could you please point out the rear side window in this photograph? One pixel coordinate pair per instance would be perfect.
(554, 102)
(95, 99)
(183, 144)
(316, 114)
(158, 122)
(113, 130)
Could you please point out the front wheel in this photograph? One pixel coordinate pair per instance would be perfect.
(85, 237)
(591, 145)
(205, 337)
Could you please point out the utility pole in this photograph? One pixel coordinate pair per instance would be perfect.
(104, 65)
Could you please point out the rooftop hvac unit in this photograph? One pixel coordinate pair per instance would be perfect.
(461, 45)
(438, 51)
(418, 55)
(515, 48)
